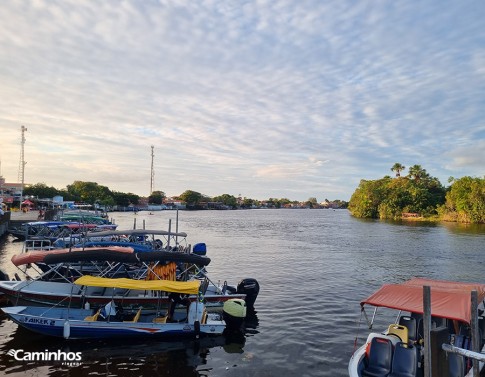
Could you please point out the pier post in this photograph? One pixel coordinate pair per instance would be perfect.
(169, 232)
(475, 332)
(427, 330)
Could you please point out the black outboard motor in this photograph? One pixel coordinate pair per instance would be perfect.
(249, 287)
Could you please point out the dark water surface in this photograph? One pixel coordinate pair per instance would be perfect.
(314, 267)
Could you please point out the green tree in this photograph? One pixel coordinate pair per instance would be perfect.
(248, 203)
(311, 202)
(465, 201)
(125, 199)
(192, 198)
(41, 191)
(226, 199)
(90, 192)
(367, 197)
(417, 173)
(156, 197)
(388, 198)
(398, 168)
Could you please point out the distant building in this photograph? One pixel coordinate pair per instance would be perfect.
(10, 192)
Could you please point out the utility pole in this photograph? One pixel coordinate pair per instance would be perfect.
(152, 180)
(22, 163)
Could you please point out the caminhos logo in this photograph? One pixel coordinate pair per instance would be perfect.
(67, 358)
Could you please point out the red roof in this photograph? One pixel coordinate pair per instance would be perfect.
(448, 299)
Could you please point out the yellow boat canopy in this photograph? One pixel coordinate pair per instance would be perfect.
(189, 287)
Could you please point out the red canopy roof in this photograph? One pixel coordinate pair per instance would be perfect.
(449, 299)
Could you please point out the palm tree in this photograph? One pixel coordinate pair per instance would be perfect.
(398, 168)
(417, 172)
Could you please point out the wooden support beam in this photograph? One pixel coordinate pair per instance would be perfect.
(427, 330)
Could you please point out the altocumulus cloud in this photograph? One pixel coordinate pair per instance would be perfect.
(263, 98)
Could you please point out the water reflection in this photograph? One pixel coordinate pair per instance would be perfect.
(120, 357)
(466, 229)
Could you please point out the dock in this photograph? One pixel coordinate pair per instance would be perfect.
(15, 219)
(4, 223)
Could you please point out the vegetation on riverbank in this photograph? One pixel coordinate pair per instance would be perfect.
(420, 196)
(92, 192)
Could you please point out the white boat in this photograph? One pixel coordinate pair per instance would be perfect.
(397, 351)
(108, 322)
(55, 283)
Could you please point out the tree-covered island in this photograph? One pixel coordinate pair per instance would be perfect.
(420, 195)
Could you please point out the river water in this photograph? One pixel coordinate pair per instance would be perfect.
(313, 266)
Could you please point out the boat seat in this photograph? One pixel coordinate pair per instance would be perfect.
(160, 319)
(203, 320)
(94, 317)
(404, 361)
(410, 323)
(137, 316)
(456, 365)
(398, 330)
(379, 359)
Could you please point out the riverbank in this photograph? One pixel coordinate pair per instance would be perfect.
(4, 223)
(17, 218)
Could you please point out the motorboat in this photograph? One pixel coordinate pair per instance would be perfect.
(108, 321)
(59, 268)
(398, 350)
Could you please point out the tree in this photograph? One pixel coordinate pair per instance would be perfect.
(465, 201)
(192, 198)
(388, 198)
(311, 202)
(417, 173)
(156, 197)
(398, 168)
(367, 197)
(125, 199)
(226, 199)
(41, 190)
(90, 192)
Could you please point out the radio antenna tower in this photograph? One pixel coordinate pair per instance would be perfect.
(152, 180)
(22, 162)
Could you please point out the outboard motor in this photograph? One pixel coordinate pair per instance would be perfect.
(234, 312)
(249, 287)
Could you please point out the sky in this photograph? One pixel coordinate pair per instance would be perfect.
(282, 99)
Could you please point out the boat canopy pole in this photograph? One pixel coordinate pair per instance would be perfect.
(398, 316)
(177, 228)
(201, 271)
(371, 323)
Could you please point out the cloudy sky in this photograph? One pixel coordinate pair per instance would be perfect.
(282, 98)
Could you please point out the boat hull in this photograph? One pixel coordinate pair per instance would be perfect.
(69, 323)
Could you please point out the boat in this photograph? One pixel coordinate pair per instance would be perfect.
(109, 322)
(139, 239)
(53, 230)
(33, 228)
(398, 350)
(60, 268)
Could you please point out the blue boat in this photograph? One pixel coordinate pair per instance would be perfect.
(109, 322)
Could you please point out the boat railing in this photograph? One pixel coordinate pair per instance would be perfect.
(463, 352)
